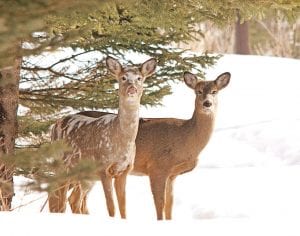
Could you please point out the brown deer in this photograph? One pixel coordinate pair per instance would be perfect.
(109, 140)
(166, 147)
(169, 147)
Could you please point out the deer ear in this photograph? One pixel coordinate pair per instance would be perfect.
(148, 67)
(190, 79)
(223, 80)
(113, 65)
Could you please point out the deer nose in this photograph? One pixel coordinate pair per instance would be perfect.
(207, 104)
(130, 81)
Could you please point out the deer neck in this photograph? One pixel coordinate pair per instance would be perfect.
(201, 127)
(128, 119)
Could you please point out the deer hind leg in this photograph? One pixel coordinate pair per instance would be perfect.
(107, 187)
(169, 197)
(120, 186)
(77, 199)
(84, 209)
(74, 198)
(158, 188)
(58, 199)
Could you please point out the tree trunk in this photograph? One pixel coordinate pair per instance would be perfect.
(9, 93)
(241, 37)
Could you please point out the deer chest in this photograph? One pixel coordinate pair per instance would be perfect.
(184, 167)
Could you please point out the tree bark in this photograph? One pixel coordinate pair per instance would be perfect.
(9, 93)
(241, 37)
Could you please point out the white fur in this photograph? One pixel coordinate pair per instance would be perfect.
(104, 120)
(80, 120)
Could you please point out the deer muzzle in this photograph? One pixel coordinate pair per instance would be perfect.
(207, 104)
(131, 90)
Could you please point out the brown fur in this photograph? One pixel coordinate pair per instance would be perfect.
(167, 148)
(109, 140)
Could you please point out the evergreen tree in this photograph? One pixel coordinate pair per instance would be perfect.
(116, 28)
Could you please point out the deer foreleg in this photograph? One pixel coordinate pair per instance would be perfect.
(120, 185)
(107, 187)
(158, 188)
(169, 198)
(58, 199)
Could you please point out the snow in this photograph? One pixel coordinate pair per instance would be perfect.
(247, 179)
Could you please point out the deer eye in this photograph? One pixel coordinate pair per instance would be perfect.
(124, 78)
(199, 92)
(214, 92)
(139, 78)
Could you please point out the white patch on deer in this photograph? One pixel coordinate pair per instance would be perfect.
(73, 144)
(133, 101)
(132, 125)
(126, 157)
(80, 124)
(78, 121)
(104, 120)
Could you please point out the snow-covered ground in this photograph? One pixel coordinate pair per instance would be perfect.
(247, 180)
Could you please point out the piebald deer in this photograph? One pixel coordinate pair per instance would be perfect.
(109, 140)
(167, 147)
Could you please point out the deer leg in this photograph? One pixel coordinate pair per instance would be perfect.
(158, 188)
(107, 187)
(120, 184)
(84, 209)
(169, 198)
(58, 199)
(76, 199)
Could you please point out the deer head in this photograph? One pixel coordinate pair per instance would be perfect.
(130, 78)
(206, 91)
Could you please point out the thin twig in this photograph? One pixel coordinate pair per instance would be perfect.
(26, 204)
(42, 208)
